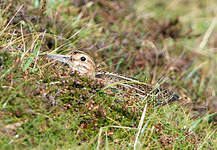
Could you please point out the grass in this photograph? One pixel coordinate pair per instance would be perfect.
(44, 106)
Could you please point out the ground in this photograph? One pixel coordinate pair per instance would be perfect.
(43, 105)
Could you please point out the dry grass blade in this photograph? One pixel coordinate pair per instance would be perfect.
(209, 135)
(140, 127)
(99, 138)
(207, 35)
(5, 28)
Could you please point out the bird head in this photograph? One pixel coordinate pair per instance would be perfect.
(78, 61)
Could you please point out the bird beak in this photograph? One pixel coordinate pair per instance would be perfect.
(61, 58)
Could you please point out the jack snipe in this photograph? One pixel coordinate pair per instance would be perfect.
(83, 64)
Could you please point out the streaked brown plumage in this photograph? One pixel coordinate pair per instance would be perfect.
(84, 65)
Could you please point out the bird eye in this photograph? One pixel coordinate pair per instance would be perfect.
(83, 58)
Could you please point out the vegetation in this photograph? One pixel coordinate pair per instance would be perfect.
(44, 105)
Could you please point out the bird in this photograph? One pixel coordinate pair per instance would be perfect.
(81, 62)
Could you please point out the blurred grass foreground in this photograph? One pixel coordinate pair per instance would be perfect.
(171, 43)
